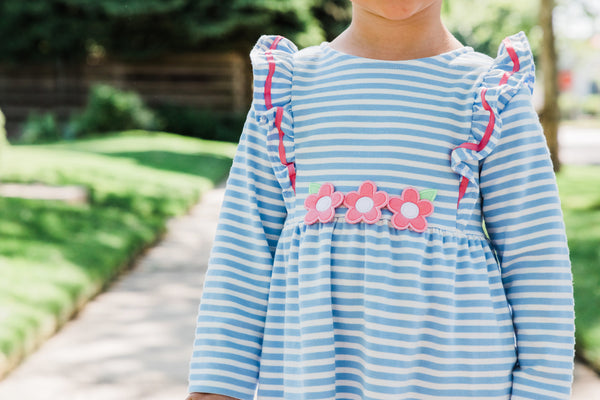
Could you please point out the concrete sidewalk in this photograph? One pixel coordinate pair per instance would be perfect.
(134, 341)
(579, 146)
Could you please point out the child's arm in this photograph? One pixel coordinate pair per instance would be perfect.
(231, 315)
(522, 214)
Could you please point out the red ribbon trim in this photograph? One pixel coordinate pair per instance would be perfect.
(279, 115)
(464, 182)
(282, 156)
(269, 80)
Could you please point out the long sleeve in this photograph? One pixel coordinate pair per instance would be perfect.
(259, 191)
(523, 217)
(230, 324)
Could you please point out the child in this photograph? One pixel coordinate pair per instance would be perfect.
(350, 260)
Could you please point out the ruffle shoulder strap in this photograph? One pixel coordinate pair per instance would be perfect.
(512, 71)
(273, 67)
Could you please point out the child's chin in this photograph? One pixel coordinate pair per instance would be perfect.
(395, 10)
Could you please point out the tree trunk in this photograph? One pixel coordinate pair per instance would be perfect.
(550, 113)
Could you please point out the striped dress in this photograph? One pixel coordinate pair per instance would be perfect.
(351, 260)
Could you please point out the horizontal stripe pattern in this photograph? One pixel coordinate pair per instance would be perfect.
(365, 311)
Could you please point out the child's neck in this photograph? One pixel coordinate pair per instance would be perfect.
(418, 36)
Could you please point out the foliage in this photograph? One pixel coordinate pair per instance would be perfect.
(580, 196)
(484, 24)
(40, 128)
(3, 141)
(569, 105)
(109, 109)
(38, 30)
(70, 30)
(591, 105)
(333, 16)
(573, 106)
(200, 123)
(55, 256)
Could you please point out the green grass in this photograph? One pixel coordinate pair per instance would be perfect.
(580, 196)
(54, 256)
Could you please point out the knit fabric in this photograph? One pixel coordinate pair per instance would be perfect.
(371, 308)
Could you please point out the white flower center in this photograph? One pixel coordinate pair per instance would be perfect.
(410, 210)
(364, 204)
(323, 203)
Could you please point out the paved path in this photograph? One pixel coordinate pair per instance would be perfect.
(586, 385)
(134, 341)
(579, 146)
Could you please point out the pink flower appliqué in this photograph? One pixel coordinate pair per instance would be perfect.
(366, 204)
(410, 210)
(321, 206)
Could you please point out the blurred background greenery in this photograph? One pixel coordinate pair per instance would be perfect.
(89, 88)
(66, 37)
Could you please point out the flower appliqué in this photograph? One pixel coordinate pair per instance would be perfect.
(410, 209)
(321, 206)
(366, 204)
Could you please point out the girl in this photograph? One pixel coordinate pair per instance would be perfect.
(350, 260)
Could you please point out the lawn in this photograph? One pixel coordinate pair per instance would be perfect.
(580, 195)
(55, 256)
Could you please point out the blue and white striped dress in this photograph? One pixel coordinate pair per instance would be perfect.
(389, 289)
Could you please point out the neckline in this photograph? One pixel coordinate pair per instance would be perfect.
(446, 56)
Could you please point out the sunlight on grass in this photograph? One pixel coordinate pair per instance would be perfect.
(580, 196)
(55, 255)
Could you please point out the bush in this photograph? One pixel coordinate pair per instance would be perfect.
(110, 109)
(591, 105)
(569, 106)
(3, 140)
(40, 128)
(200, 123)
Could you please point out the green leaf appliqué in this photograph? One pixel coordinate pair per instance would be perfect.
(314, 187)
(428, 194)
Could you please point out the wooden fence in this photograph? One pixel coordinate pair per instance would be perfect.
(215, 81)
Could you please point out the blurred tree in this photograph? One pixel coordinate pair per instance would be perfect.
(550, 114)
(333, 15)
(44, 30)
(72, 29)
(207, 24)
(3, 142)
(485, 23)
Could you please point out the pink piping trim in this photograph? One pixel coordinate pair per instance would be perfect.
(462, 189)
(282, 157)
(278, 119)
(515, 59)
(279, 116)
(464, 182)
(488, 130)
(268, 81)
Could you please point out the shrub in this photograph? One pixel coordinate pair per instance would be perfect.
(40, 128)
(3, 140)
(201, 123)
(569, 106)
(110, 109)
(591, 105)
